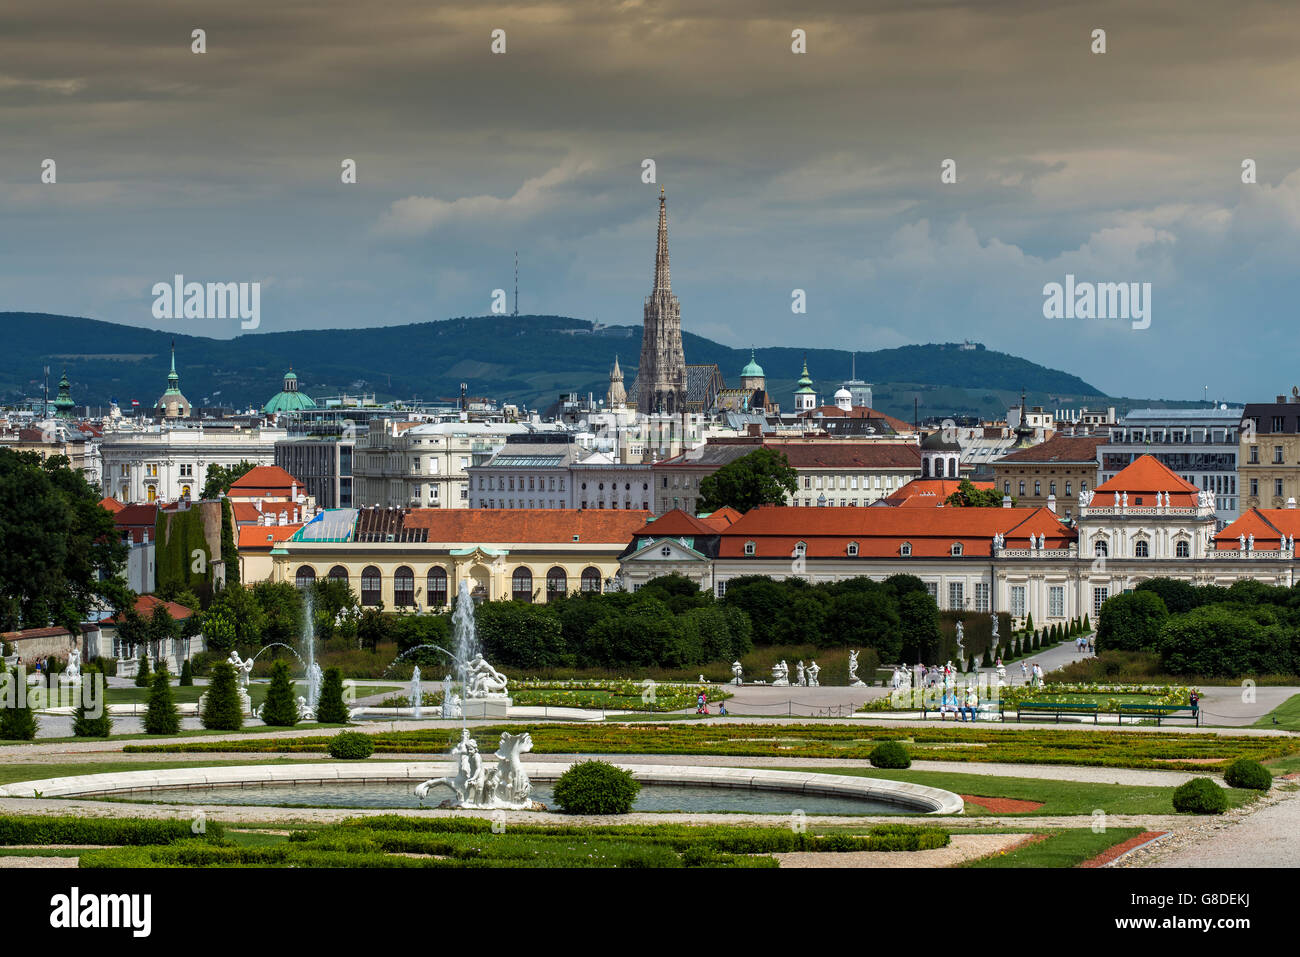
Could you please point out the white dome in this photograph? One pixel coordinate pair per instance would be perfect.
(843, 393)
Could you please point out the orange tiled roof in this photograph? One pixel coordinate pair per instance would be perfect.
(722, 518)
(264, 537)
(145, 604)
(842, 454)
(927, 493)
(1148, 475)
(111, 504)
(537, 525)
(245, 513)
(264, 480)
(675, 523)
(881, 532)
(1268, 525)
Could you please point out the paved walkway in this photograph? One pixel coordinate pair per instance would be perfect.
(1264, 835)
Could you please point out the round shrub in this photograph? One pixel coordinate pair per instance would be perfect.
(351, 746)
(1200, 796)
(596, 787)
(890, 754)
(1248, 774)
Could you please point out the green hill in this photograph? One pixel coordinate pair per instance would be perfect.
(527, 359)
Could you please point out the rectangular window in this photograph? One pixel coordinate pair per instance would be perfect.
(956, 595)
(1277, 424)
(1277, 455)
(933, 589)
(1099, 596)
(1254, 455)
(1017, 601)
(1277, 487)
(981, 596)
(1056, 601)
(720, 589)
(1254, 486)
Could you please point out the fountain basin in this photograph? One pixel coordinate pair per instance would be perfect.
(870, 792)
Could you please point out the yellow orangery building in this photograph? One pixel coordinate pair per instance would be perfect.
(417, 557)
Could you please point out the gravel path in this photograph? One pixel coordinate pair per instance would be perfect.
(1261, 835)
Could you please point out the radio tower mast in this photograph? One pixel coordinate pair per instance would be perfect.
(516, 282)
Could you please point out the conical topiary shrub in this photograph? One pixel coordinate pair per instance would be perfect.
(142, 675)
(1029, 622)
(1086, 625)
(221, 709)
(187, 674)
(161, 717)
(279, 709)
(16, 723)
(332, 709)
(88, 723)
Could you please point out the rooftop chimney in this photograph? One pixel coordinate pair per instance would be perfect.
(1290, 502)
(1051, 504)
(1006, 501)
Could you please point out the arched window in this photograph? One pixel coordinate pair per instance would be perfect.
(906, 550)
(306, 576)
(557, 583)
(1141, 549)
(1182, 550)
(371, 585)
(852, 550)
(1100, 549)
(940, 469)
(521, 587)
(801, 548)
(403, 587)
(339, 574)
(436, 587)
(591, 579)
(955, 550)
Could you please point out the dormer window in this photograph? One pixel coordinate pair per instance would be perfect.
(906, 550)
(800, 549)
(955, 550)
(852, 550)
(750, 548)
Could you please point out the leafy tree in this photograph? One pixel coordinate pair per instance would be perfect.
(332, 709)
(221, 705)
(132, 628)
(1177, 596)
(242, 612)
(282, 612)
(280, 710)
(763, 477)
(411, 631)
(162, 628)
(870, 619)
(764, 600)
(161, 717)
(221, 477)
(219, 630)
(17, 719)
(901, 584)
(1216, 640)
(59, 553)
(372, 628)
(969, 496)
(229, 550)
(521, 635)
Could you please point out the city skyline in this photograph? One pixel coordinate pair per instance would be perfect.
(818, 172)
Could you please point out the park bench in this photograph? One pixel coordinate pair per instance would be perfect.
(1057, 708)
(1160, 712)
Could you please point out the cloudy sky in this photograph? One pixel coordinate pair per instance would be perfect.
(818, 171)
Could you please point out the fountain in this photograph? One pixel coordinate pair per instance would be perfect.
(505, 786)
(307, 707)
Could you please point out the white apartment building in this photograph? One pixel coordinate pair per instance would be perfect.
(166, 463)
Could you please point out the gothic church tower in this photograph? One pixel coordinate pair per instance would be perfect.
(661, 375)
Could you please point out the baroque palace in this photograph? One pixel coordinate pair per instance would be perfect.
(1146, 522)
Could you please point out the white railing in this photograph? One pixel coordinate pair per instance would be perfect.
(1034, 553)
(1282, 555)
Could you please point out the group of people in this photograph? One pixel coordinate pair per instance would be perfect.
(1085, 643)
(702, 703)
(1033, 676)
(966, 710)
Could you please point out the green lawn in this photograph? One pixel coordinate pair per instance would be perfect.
(1287, 715)
(11, 773)
(1067, 848)
(1057, 797)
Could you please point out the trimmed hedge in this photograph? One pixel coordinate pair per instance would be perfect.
(890, 754)
(351, 746)
(331, 708)
(596, 787)
(69, 829)
(1248, 774)
(1200, 796)
(221, 708)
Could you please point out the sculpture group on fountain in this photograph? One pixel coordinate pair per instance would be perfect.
(476, 786)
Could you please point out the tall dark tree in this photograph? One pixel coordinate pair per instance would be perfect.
(280, 710)
(332, 709)
(17, 719)
(161, 717)
(221, 707)
(91, 722)
(59, 553)
(763, 477)
(919, 625)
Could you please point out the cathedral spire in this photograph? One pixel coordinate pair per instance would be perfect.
(662, 281)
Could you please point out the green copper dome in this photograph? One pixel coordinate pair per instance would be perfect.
(752, 369)
(289, 399)
(805, 380)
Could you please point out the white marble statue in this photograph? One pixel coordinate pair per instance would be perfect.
(476, 786)
(242, 669)
(1117, 499)
(854, 680)
(305, 711)
(1242, 539)
(781, 674)
(73, 671)
(483, 680)
(1124, 499)
(1250, 542)
(813, 671)
(736, 672)
(801, 675)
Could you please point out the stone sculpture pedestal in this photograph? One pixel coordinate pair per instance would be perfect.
(492, 706)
